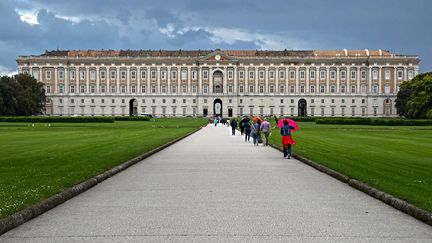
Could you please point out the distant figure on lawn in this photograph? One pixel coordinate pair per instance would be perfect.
(233, 126)
(287, 140)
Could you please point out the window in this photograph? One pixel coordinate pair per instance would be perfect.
(60, 101)
(230, 74)
(92, 74)
(72, 101)
(173, 89)
(271, 74)
(92, 89)
(251, 88)
(230, 88)
(72, 74)
(343, 101)
(375, 74)
(375, 89)
(261, 89)
(133, 75)
(163, 75)
(184, 89)
(61, 74)
(82, 74)
(241, 89)
(102, 75)
(153, 75)
(363, 89)
(194, 88)
(113, 89)
(102, 89)
(353, 101)
(153, 89)
(292, 75)
(241, 75)
(332, 75)
(312, 75)
(205, 74)
(133, 89)
(123, 89)
(281, 89)
(173, 75)
(363, 75)
(251, 74)
(163, 89)
(292, 89)
(103, 101)
(343, 89)
(332, 89)
(410, 74)
(312, 89)
(48, 74)
(82, 89)
(72, 89)
(281, 75)
(353, 75)
(387, 74)
(113, 74)
(281, 101)
(322, 101)
(261, 75)
(302, 75)
(48, 89)
(173, 101)
(184, 74)
(143, 89)
(322, 89)
(92, 101)
(353, 89)
(143, 74)
(271, 89)
(343, 75)
(322, 75)
(387, 89)
(302, 88)
(194, 76)
(205, 89)
(400, 74)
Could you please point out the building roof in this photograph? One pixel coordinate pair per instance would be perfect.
(201, 53)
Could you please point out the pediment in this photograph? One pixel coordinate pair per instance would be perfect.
(217, 55)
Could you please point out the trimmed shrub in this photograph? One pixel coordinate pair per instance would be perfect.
(70, 119)
(374, 121)
(131, 118)
(347, 121)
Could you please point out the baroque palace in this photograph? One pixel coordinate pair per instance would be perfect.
(221, 82)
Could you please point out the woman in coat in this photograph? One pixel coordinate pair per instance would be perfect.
(287, 140)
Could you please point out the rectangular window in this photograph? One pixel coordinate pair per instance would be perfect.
(102, 89)
(143, 75)
(261, 75)
(174, 89)
(163, 75)
(92, 89)
(133, 75)
(271, 74)
(123, 75)
(205, 74)
(48, 75)
(184, 74)
(332, 75)
(194, 89)
(113, 89)
(241, 75)
(92, 74)
(174, 75)
(72, 89)
(353, 75)
(302, 75)
(312, 89)
(61, 90)
(400, 74)
(343, 75)
(205, 89)
(184, 89)
(322, 75)
(143, 89)
(194, 76)
(133, 89)
(251, 75)
(375, 74)
(82, 89)
(113, 75)
(292, 75)
(363, 75)
(102, 75)
(60, 74)
(281, 75)
(251, 88)
(292, 89)
(230, 74)
(230, 88)
(261, 89)
(312, 75)
(82, 74)
(153, 89)
(387, 74)
(353, 89)
(281, 89)
(72, 74)
(153, 75)
(123, 89)
(322, 89)
(241, 89)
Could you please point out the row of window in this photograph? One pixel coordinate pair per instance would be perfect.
(205, 90)
(194, 74)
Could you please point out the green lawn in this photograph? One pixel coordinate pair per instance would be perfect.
(37, 162)
(397, 160)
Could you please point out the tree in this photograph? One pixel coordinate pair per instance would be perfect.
(414, 99)
(21, 95)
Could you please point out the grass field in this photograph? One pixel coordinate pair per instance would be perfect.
(397, 160)
(37, 162)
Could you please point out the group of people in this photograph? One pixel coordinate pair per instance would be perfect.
(262, 129)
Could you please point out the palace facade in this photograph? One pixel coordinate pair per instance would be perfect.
(358, 83)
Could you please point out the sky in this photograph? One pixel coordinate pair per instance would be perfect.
(29, 27)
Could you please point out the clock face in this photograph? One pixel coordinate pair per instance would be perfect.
(217, 57)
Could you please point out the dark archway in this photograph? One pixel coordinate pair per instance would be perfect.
(217, 107)
(217, 82)
(387, 107)
(133, 107)
(302, 107)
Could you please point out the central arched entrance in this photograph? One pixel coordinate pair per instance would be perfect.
(302, 107)
(217, 107)
(133, 107)
(218, 82)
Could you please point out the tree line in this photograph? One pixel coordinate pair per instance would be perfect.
(21, 95)
(414, 99)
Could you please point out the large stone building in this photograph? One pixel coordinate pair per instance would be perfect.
(221, 82)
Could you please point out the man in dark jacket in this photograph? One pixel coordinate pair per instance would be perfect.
(233, 126)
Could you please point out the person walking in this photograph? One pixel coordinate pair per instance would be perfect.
(287, 140)
(265, 129)
(233, 126)
(247, 131)
(255, 132)
(215, 121)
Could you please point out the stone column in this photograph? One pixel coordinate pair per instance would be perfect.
(337, 79)
(307, 81)
(189, 80)
(235, 75)
(369, 88)
(327, 80)
(380, 80)
(266, 80)
(55, 80)
(210, 79)
(97, 80)
(276, 76)
(297, 79)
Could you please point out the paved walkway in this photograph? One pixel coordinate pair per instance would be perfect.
(213, 186)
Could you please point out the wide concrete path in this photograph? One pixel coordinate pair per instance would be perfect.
(215, 187)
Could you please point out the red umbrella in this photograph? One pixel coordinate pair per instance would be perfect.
(292, 123)
(257, 118)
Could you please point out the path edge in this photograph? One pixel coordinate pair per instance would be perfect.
(45, 205)
(388, 199)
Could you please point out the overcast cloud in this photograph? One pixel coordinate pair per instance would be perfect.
(33, 26)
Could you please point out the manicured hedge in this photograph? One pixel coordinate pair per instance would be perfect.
(374, 121)
(131, 118)
(78, 119)
(297, 118)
